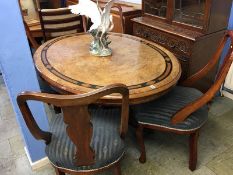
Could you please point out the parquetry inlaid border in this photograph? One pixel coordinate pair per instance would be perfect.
(166, 73)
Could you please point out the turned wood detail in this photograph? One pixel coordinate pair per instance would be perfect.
(77, 119)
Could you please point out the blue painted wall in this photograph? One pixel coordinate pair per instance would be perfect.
(18, 71)
(230, 26)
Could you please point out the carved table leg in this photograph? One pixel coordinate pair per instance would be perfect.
(58, 172)
(117, 169)
(193, 139)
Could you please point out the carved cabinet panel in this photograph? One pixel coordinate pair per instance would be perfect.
(179, 46)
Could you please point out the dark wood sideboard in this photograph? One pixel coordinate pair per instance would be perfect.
(191, 29)
(129, 11)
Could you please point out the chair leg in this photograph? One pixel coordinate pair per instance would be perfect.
(117, 169)
(193, 140)
(140, 140)
(58, 172)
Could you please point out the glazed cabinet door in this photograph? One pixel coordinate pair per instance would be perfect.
(155, 7)
(191, 12)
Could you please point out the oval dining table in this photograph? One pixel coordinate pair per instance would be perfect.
(148, 69)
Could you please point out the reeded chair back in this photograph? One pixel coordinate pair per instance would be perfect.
(78, 124)
(184, 110)
(59, 22)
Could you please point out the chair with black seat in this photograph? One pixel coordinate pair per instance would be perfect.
(60, 22)
(184, 109)
(83, 139)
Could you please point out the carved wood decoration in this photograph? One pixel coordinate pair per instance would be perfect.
(79, 129)
(179, 46)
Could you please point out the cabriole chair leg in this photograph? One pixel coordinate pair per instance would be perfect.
(117, 169)
(140, 140)
(193, 140)
(58, 172)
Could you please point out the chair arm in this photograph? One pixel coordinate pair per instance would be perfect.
(30, 121)
(73, 100)
(182, 114)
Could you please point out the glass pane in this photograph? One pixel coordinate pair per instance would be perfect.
(190, 11)
(155, 7)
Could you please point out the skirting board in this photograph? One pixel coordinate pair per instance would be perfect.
(227, 94)
(38, 164)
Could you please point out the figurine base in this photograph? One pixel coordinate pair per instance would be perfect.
(101, 53)
(99, 46)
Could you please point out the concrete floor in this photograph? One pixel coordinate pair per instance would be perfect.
(167, 154)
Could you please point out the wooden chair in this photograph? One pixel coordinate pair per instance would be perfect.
(84, 140)
(31, 39)
(183, 110)
(120, 22)
(116, 7)
(59, 22)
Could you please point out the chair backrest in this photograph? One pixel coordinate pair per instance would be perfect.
(59, 22)
(116, 12)
(31, 39)
(121, 20)
(76, 116)
(209, 95)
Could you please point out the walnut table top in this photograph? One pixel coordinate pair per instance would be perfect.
(148, 69)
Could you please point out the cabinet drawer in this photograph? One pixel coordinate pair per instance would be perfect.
(175, 44)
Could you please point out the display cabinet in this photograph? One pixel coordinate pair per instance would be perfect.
(191, 29)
